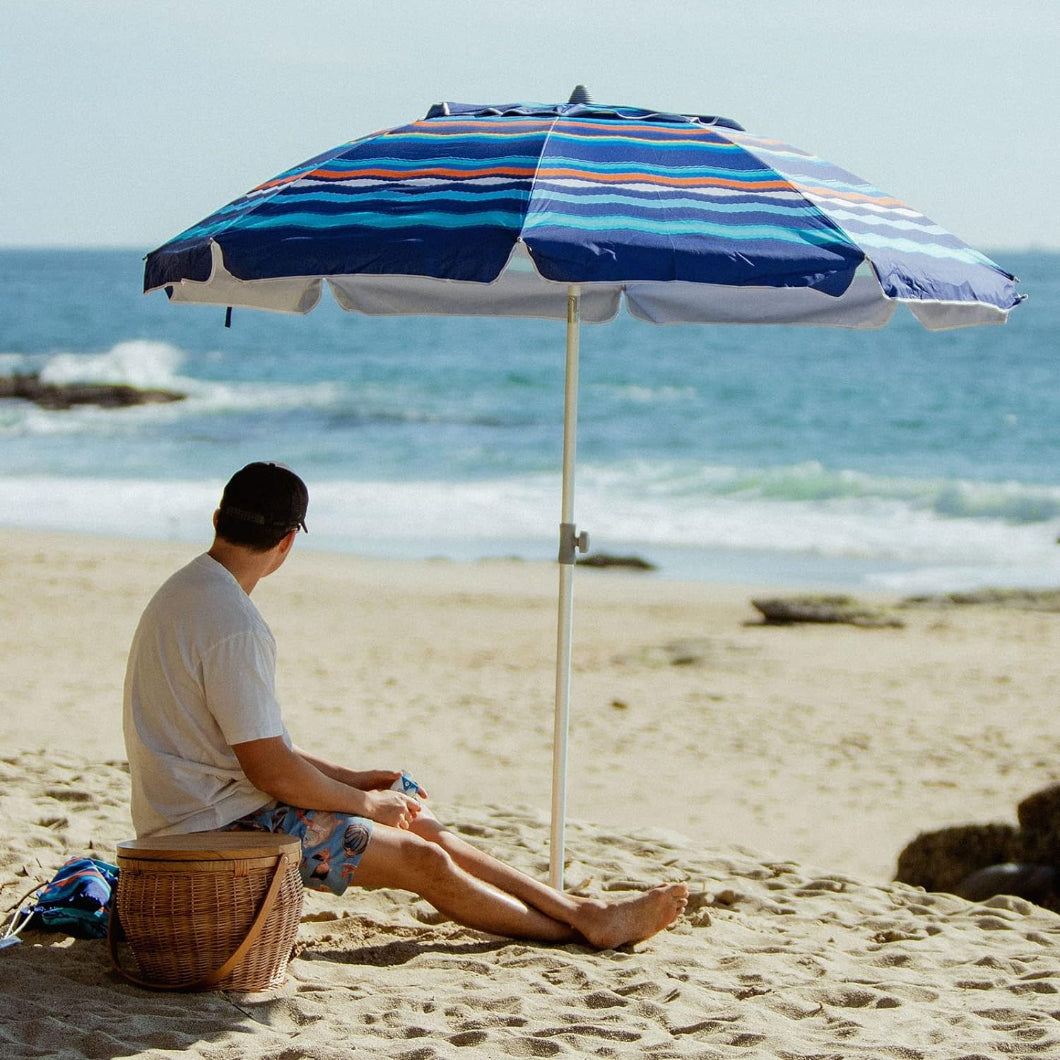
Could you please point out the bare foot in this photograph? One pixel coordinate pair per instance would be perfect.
(609, 924)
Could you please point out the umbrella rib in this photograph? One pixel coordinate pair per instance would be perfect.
(798, 189)
(549, 131)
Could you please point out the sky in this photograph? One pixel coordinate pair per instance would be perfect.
(122, 122)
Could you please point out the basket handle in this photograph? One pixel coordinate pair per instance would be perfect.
(213, 978)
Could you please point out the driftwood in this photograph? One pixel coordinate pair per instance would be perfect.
(787, 610)
(59, 396)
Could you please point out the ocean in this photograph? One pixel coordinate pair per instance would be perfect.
(895, 460)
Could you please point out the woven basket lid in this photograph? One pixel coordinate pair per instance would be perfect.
(206, 846)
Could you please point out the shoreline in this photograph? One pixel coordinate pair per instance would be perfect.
(757, 569)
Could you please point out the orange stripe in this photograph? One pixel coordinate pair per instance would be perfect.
(853, 196)
(276, 182)
(678, 182)
(554, 172)
(766, 141)
(475, 124)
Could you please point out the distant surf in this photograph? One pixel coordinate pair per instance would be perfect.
(895, 459)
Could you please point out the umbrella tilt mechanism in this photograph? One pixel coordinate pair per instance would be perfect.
(571, 541)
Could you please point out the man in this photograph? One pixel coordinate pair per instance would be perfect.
(208, 749)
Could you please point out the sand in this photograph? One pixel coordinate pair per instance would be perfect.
(779, 771)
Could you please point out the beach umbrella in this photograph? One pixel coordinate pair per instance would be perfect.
(566, 211)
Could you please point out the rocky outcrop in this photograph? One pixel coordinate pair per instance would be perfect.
(787, 610)
(1018, 599)
(59, 396)
(1039, 818)
(943, 859)
(605, 559)
(977, 861)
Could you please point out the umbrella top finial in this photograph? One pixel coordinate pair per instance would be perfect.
(579, 95)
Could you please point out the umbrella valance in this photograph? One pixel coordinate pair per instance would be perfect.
(499, 209)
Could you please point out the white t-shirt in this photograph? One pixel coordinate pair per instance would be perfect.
(200, 677)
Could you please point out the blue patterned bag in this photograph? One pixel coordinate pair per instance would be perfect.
(76, 901)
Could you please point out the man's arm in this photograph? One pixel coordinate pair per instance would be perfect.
(290, 777)
(364, 780)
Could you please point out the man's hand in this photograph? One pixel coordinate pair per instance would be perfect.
(393, 808)
(298, 779)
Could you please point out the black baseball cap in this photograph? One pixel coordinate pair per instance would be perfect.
(270, 495)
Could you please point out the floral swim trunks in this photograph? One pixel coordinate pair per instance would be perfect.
(332, 843)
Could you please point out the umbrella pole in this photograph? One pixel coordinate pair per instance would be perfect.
(570, 542)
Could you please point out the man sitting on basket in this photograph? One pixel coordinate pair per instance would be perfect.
(208, 749)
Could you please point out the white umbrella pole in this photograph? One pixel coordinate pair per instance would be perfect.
(570, 541)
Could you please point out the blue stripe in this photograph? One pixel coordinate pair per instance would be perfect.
(545, 220)
(297, 205)
(351, 166)
(960, 253)
(772, 233)
(696, 165)
(592, 141)
(646, 203)
(635, 171)
(374, 219)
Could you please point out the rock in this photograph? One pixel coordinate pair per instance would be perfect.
(716, 653)
(689, 652)
(942, 860)
(686, 652)
(604, 559)
(1019, 599)
(1039, 884)
(1039, 818)
(61, 396)
(791, 609)
(980, 861)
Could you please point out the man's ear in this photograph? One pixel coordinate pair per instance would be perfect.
(288, 542)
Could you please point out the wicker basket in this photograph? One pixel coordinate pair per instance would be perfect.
(212, 910)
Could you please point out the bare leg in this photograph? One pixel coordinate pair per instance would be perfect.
(397, 858)
(601, 923)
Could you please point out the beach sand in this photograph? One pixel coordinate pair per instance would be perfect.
(779, 771)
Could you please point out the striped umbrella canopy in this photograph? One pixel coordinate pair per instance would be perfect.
(564, 211)
(495, 210)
